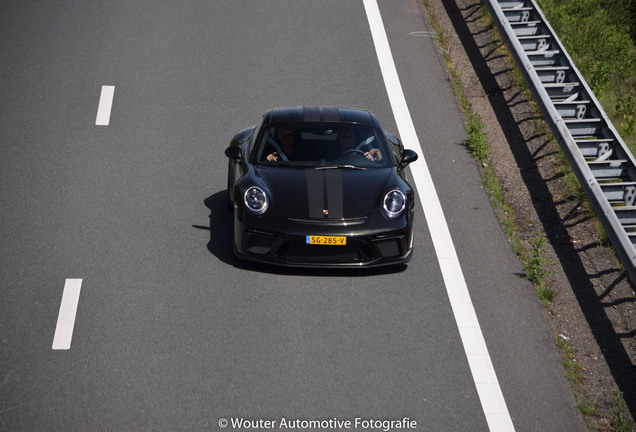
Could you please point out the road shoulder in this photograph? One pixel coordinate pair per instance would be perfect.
(595, 309)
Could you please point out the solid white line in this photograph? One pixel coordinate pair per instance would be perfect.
(66, 316)
(105, 105)
(483, 372)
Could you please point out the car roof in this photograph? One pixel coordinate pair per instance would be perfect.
(320, 114)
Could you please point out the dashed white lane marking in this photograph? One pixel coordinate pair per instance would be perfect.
(105, 105)
(480, 363)
(66, 316)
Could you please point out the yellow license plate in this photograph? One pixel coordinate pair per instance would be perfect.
(326, 240)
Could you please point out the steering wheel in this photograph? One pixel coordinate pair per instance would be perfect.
(353, 151)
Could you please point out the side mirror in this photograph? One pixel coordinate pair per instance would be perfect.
(408, 156)
(234, 152)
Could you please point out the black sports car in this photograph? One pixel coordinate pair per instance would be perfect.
(320, 187)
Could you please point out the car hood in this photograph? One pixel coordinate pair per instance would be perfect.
(332, 193)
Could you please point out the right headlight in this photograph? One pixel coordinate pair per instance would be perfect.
(394, 203)
(255, 200)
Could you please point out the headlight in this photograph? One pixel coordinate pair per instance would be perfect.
(394, 203)
(255, 200)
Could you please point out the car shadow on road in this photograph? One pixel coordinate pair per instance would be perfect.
(220, 245)
(220, 242)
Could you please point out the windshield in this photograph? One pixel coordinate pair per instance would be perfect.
(322, 145)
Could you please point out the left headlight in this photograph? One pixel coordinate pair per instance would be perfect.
(255, 200)
(394, 203)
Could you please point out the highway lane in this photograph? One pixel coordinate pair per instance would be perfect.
(173, 333)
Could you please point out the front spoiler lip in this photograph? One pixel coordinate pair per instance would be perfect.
(269, 259)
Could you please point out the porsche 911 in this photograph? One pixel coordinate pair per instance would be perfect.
(320, 187)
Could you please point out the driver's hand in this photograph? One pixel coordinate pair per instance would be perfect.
(272, 157)
(374, 154)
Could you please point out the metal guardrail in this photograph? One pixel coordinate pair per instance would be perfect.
(602, 163)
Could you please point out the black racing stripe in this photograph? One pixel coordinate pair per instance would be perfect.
(311, 114)
(330, 114)
(315, 193)
(335, 198)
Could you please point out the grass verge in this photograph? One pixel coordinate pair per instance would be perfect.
(532, 257)
(621, 421)
(477, 143)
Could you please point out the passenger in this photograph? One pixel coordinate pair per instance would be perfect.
(347, 142)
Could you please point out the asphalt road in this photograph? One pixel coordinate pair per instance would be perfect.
(171, 332)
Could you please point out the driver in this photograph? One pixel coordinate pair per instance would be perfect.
(287, 141)
(347, 142)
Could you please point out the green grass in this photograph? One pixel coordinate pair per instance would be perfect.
(575, 374)
(621, 421)
(476, 142)
(534, 264)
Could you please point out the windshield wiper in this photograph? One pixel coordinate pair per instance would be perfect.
(346, 166)
(289, 164)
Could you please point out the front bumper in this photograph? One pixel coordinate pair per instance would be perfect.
(365, 247)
